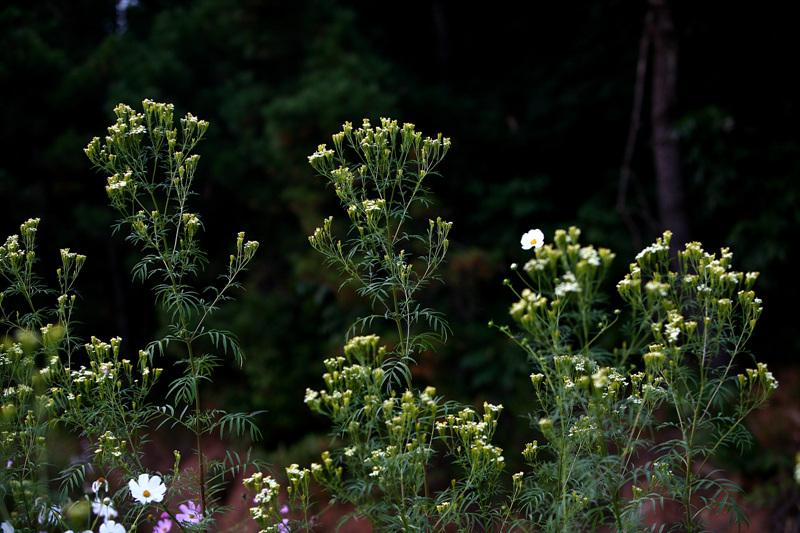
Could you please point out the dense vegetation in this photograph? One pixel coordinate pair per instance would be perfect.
(536, 99)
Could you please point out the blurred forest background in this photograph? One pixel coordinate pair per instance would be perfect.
(551, 126)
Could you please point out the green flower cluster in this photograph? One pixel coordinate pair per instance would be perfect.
(599, 406)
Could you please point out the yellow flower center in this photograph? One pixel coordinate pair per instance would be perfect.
(533, 241)
(146, 493)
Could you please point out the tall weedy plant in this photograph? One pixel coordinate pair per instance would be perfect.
(601, 412)
(700, 317)
(97, 393)
(390, 432)
(605, 446)
(38, 340)
(380, 175)
(588, 409)
(151, 167)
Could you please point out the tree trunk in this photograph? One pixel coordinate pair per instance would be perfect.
(666, 150)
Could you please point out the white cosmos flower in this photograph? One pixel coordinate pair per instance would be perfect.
(532, 239)
(147, 489)
(112, 527)
(100, 483)
(7, 527)
(104, 508)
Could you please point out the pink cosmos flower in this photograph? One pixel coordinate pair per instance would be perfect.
(163, 525)
(283, 525)
(190, 513)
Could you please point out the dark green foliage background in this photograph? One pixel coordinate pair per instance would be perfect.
(536, 97)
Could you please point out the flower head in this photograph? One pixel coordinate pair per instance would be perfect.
(147, 489)
(190, 513)
(111, 527)
(104, 508)
(6, 527)
(532, 239)
(100, 483)
(283, 525)
(163, 525)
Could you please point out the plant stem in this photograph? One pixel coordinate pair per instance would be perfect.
(616, 510)
(198, 429)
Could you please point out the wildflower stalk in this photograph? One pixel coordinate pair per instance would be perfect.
(391, 431)
(378, 193)
(152, 169)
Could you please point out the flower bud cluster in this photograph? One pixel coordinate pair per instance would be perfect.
(756, 385)
(321, 238)
(724, 295)
(326, 472)
(130, 182)
(322, 159)
(71, 265)
(120, 188)
(355, 399)
(265, 502)
(468, 436)
(109, 448)
(353, 376)
(17, 259)
(378, 145)
(245, 251)
(529, 308)
(562, 278)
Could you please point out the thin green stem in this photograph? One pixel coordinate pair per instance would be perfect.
(198, 428)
